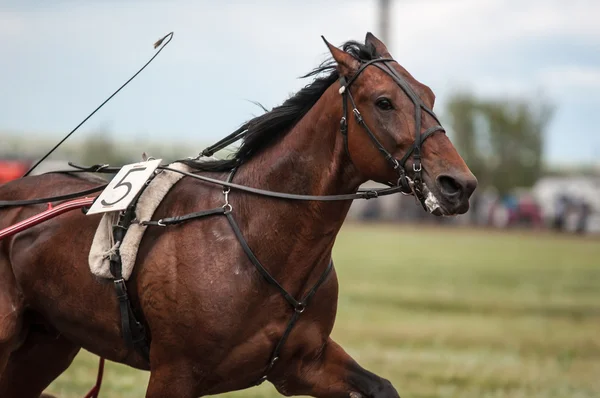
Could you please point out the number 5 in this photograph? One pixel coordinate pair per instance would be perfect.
(122, 184)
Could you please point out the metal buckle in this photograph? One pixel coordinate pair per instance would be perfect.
(227, 206)
(409, 182)
(160, 223)
(372, 194)
(121, 289)
(419, 169)
(119, 281)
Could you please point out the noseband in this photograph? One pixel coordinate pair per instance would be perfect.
(414, 186)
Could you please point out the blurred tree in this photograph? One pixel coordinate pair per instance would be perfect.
(99, 148)
(500, 139)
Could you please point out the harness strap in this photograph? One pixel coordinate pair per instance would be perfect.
(228, 140)
(361, 194)
(262, 270)
(133, 331)
(163, 222)
(26, 202)
(426, 134)
(359, 119)
(293, 320)
(298, 305)
(343, 120)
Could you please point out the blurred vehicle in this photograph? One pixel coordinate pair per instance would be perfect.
(12, 169)
(570, 204)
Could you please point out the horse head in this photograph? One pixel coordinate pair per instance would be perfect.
(392, 134)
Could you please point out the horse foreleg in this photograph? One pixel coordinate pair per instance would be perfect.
(172, 380)
(331, 373)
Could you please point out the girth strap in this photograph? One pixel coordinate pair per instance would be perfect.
(133, 331)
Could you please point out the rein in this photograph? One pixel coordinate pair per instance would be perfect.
(361, 194)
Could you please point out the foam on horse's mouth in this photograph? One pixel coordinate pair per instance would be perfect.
(431, 202)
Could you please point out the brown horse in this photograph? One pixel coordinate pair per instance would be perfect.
(211, 319)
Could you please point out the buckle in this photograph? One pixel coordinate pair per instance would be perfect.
(227, 206)
(371, 194)
(415, 167)
(121, 289)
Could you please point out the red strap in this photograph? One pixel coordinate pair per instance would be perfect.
(95, 391)
(45, 215)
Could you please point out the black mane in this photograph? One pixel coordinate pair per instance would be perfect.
(263, 130)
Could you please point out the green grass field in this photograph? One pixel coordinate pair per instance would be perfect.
(445, 312)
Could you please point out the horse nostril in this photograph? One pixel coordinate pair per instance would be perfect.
(449, 185)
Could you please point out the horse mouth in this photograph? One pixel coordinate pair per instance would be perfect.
(431, 202)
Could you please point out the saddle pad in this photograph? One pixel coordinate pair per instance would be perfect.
(103, 244)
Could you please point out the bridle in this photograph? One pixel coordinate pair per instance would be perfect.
(408, 185)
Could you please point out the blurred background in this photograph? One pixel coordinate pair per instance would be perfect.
(500, 302)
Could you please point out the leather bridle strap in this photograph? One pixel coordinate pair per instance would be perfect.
(417, 144)
(359, 119)
(414, 150)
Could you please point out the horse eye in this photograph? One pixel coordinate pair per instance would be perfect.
(384, 104)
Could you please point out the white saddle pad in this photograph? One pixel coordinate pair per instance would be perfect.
(103, 244)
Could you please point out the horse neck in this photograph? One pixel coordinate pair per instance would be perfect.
(294, 237)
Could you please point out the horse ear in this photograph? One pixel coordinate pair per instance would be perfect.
(378, 44)
(347, 64)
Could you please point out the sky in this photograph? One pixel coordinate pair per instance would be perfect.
(61, 58)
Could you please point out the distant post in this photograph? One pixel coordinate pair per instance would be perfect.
(384, 21)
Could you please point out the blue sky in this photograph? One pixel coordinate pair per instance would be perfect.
(61, 58)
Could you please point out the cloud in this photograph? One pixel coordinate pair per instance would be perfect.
(11, 25)
(572, 77)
